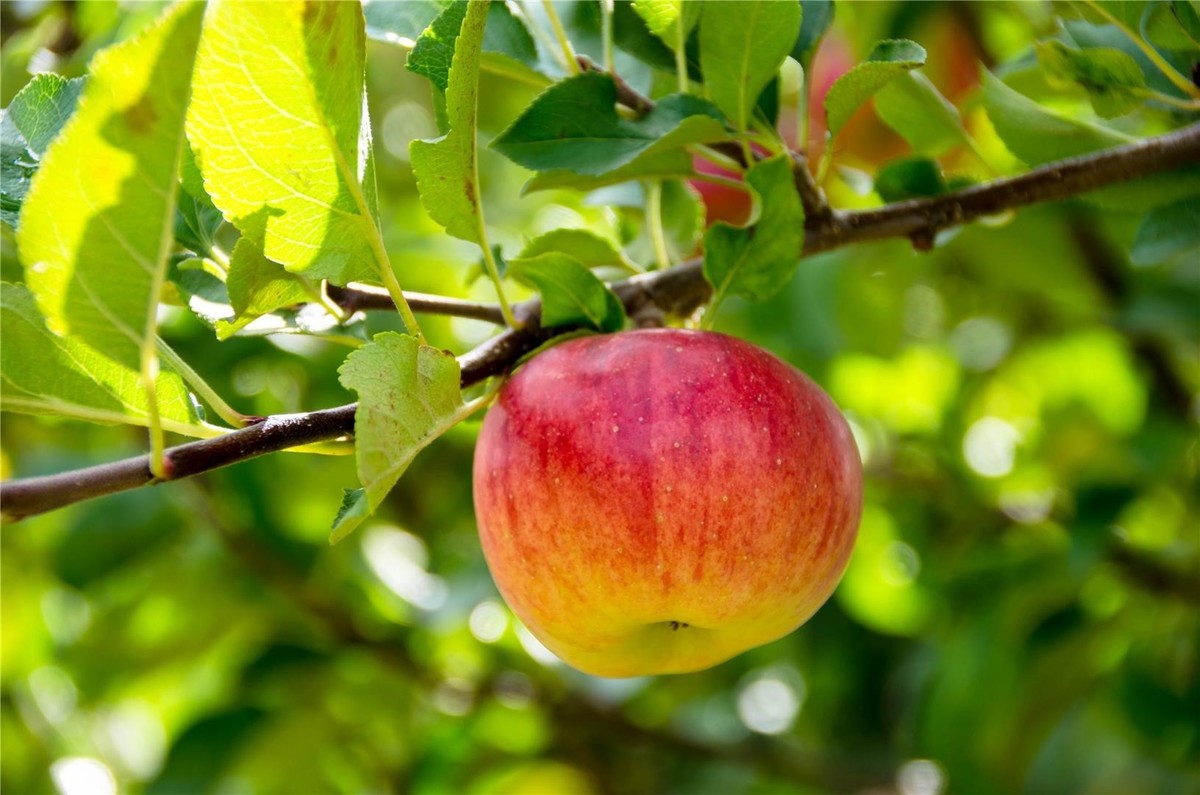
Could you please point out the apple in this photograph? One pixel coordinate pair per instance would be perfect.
(660, 500)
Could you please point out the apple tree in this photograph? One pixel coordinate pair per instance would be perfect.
(277, 260)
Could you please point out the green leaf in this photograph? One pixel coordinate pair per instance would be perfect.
(447, 169)
(408, 395)
(354, 508)
(741, 48)
(887, 61)
(97, 225)
(571, 294)
(1112, 79)
(676, 163)
(1037, 135)
(1168, 232)
(574, 126)
(913, 107)
(31, 121)
(909, 178)
(755, 262)
(258, 286)
(507, 44)
(815, 21)
(588, 248)
(196, 218)
(1165, 25)
(279, 127)
(46, 374)
(665, 18)
(41, 109)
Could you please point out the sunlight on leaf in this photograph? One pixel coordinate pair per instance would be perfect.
(280, 131)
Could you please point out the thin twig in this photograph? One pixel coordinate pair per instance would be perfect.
(361, 297)
(678, 290)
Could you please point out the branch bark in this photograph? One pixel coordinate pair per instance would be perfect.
(678, 290)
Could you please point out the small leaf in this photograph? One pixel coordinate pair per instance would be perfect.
(446, 169)
(31, 121)
(1168, 232)
(887, 61)
(408, 395)
(909, 178)
(588, 248)
(1112, 79)
(97, 224)
(756, 262)
(913, 107)
(41, 109)
(258, 286)
(63, 376)
(816, 19)
(574, 126)
(741, 48)
(355, 507)
(571, 294)
(196, 222)
(279, 127)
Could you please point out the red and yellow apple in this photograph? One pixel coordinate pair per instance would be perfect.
(658, 501)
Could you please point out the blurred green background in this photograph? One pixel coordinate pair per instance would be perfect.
(1021, 613)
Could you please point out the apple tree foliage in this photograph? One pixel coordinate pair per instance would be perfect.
(215, 214)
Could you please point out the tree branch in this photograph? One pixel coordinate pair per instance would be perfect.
(361, 297)
(678, 290)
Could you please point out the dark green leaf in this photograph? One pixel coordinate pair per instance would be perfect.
(574, 126)
(1168, 232)
(910, 178)
(571, 294)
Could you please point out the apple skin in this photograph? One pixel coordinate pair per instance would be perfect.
(660, 500)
